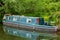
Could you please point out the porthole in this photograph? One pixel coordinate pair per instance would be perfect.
(29, 20)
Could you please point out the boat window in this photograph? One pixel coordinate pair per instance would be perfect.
(14, 19)
(9, 18)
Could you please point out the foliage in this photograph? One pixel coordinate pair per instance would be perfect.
(38, 8)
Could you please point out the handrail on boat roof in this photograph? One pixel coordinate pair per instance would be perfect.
(7, 15)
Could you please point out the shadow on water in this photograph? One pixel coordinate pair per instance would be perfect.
(46, 36)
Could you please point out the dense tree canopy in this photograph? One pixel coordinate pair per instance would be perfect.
(38, 8)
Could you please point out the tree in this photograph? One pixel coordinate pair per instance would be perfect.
(38, 8)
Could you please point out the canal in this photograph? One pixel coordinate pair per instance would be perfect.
(4, 36)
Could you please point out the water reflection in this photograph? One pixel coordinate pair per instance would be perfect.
(49, 36)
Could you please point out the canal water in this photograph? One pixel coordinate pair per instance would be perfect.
(46, 36)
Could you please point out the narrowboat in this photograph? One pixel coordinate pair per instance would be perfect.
(28, 27)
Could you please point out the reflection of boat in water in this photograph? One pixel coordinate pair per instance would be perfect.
(30, 35)
(28, 27)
